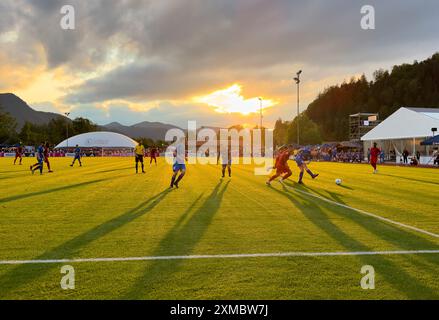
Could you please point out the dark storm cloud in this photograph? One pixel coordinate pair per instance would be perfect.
(137, 81)
(181, 46)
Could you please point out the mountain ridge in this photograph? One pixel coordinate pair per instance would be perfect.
(22, 113)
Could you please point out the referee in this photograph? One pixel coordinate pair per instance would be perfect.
(139, 152)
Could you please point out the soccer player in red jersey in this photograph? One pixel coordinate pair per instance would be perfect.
(18, 154)
(281, 165)
(46, 156)
(374, 153)
(153, 154)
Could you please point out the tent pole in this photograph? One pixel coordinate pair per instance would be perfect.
(414, 146)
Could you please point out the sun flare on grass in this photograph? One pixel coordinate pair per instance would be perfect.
(230, 100)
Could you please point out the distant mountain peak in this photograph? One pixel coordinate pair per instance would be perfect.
(113, 124)
(22, 112)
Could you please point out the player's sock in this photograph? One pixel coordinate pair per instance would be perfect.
(179, 179)
(223, 172)
(173, 180)
(143, 168)
(230, 171)
(300, 176)
(310, 172)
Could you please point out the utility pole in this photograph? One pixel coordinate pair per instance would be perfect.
(67, 128)
(297, 79)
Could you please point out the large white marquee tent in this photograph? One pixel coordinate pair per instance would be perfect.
(405, 129)
(100, 139)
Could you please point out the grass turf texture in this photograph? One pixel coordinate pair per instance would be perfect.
(104, 210)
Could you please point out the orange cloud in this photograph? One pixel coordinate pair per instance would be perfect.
(230, 100)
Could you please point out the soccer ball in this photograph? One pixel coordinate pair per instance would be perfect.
(338, 181)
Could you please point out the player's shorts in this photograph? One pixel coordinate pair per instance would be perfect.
(282, 170)
(178, 167)
(139, 158)
(299, 162)
(229, 163)
(77, 157)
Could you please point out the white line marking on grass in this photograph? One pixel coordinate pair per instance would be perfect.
(366, 213)
(223, 256)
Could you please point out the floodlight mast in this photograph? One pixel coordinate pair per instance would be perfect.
(67, 128)
(297, 80)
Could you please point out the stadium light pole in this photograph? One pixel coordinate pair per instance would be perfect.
(260, 110)
(297, 79)
(67, 128)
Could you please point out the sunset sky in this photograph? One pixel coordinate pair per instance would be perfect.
(203, 60)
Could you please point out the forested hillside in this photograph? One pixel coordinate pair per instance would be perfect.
(415, 85)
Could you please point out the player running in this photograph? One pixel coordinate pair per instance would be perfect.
(281, 165)
(77, 156)
(153, 154)
(179, 163)
(300, 161)
(226, 161)
(139, 153)
(40, 158)
(18, 154)
(46, 156)
(374, 153)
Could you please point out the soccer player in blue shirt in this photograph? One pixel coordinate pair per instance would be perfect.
(77, 156)
(226, 161)
(40, 158)
(179, 163)
(300, 161)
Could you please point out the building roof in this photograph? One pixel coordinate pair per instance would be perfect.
(100, 139)
(405, 123)
(430, 112)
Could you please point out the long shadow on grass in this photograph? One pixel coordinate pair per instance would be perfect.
(398, 278)
(410, 179)
(14, 171)
(388, 232)
(44, 192)
(113, 170)
(26, 273)
(180, 240)
(400, 238)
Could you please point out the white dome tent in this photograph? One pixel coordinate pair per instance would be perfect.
(405, 129)
(100, 139)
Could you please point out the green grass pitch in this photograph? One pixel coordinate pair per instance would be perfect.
(104, 210)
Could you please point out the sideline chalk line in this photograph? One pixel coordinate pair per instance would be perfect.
(223, 256)
(365, 212)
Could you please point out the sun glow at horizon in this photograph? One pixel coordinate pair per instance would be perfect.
(230, 100)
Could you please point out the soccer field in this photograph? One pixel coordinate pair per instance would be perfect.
(234, 238)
